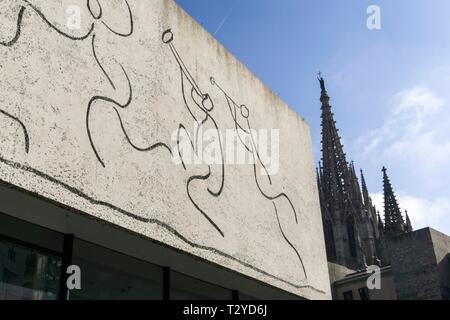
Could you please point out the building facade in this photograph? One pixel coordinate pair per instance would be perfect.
(421, 264)
(419, 270)
(413, 265)
(354, 286)
(355, 234)
(119, 128)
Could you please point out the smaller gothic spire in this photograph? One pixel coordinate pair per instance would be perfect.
(393, 219)
(365, 191)
(355, 189)
(352, 166)
(319, 183)
(380, 223)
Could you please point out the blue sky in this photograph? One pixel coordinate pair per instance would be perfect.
(389, 88)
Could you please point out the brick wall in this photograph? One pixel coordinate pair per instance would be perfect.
(420, 264)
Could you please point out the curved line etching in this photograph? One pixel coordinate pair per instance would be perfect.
(79, 38)
(52, 26)
(14, 40)
(23, 127)
(122, 106)
(157, 222)
(142, 149)
(253, 148)
(278, 196)
(205, 108)
(125, 34)
(112, 101)
(100, 14)
(199, 177)
(106, 99)
(10, 43)
(245, 113)
(18, 29)
(94, 53)
(287, 240)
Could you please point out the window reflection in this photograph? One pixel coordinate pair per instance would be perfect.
(27, 273)
(183, 287)
(108, 275)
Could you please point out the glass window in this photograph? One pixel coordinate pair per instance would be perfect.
(348, 295)
(363, 293)
(12, 228)
(27, 273)
(109, 275)
(183, 287)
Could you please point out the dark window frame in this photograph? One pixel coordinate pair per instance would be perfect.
(364, 293)
(32, 246)
(348, 295)
(36, 247)
(66, 255)
(234, 294)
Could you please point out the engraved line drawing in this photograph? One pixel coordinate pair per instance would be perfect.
(253, 149)
(198, 111)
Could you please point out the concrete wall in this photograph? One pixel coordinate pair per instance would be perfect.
(359, 280)
(337, 271)
(95, 118)
(420, 264)
(441, 245)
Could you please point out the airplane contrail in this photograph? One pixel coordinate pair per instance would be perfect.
(226, 17)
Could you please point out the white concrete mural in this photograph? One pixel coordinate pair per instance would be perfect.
(101, 107)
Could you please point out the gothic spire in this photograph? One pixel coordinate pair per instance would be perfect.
(393, 219)
(350, 225)
(356, 190)
(319, 179)
(335, 172)
(318, 174)
(365, 191)
(380, 224)
(409, 227)
(368, 205)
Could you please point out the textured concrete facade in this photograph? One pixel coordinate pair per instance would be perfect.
(420, 265)
(357, 282)
(88, 115)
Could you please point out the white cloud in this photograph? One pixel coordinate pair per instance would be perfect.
(411, 127)
(414, 142)
(419, 100)
(422, 212)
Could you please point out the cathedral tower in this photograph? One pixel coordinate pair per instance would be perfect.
(351, 225)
